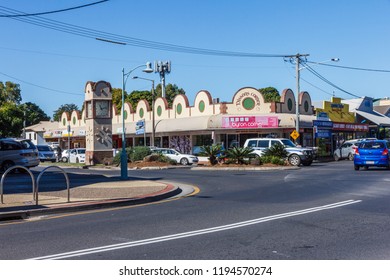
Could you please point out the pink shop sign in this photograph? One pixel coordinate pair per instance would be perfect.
(249, 122)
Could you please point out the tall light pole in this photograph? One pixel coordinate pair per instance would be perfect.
(125, 76)
(153, 116)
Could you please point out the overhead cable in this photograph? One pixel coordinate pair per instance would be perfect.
(352, 68)
(124, 40)
(53, 12)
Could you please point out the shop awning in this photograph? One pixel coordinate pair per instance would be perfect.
(375, 117)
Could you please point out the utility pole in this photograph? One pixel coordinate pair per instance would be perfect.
(297, 58)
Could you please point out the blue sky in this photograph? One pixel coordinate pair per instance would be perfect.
(53, 67)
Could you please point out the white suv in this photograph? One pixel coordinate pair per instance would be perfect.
(296, 155)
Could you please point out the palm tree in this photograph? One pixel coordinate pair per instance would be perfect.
(240, 155)
(211, 152)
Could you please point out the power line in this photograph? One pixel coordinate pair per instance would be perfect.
(53, 12)
(124, 40)
(318, 75)
(352, 68)
(38, 86)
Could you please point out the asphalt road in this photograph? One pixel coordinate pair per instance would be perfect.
(324, 211)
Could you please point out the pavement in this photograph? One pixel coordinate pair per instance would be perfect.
(110, 193)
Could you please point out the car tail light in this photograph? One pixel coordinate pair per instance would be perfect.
(385, 152)
(357, 151)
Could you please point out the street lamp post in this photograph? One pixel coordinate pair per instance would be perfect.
(153, 116)
(125, 76)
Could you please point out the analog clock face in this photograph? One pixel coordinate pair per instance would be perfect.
(102, 108)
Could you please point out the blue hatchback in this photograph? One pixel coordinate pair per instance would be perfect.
(372, 153)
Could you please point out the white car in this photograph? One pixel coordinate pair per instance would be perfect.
(183, 159)
(348, 149)
(75, 156)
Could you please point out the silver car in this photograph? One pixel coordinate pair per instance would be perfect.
(46, 153)
(13, 152)
(348, 148)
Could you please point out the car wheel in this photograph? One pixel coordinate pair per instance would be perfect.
(350, 156)
(64, 159)
(294, 160)
(356, 167)
(184, 161)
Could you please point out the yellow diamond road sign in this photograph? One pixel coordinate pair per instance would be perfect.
(294, 134)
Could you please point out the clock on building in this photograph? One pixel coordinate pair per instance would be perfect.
(102, 108)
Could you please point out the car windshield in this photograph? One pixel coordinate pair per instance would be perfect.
(44, 148)
(288, 143)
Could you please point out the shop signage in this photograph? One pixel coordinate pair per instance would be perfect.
(350, 126)
(322, 116)
(247, 122)
(323, 124)
(140, 127)
(323, 133)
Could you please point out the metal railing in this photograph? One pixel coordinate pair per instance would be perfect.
(8, 171)
(35, 185)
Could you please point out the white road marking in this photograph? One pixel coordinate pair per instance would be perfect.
(194, 233)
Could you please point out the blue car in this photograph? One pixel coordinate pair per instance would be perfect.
(372, 153)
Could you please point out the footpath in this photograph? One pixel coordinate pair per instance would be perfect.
(112, 192)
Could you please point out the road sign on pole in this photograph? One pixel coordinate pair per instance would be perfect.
(294, 135)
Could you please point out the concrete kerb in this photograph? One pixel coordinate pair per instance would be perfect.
(23, 212)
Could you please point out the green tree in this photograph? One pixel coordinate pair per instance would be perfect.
(10, 92)
(211, 152)
(117, 98)
(170, 92)
(240, 155)
(270, 94)
(135, 96)
(33, 114)
(11, 120)
(64, 108)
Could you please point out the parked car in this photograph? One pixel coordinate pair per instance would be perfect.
(183, 159)
(296, 155)
(75, 156)
(13, 153)
(348, 149)
(372, 153)
(46, 153)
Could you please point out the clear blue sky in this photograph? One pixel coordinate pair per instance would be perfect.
(356, 31)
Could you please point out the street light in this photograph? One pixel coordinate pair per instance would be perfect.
(125, 76)
(297, 69)
(153, 117)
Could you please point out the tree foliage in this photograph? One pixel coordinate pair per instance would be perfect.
(240, 155)
(34, 114)
(13, 114)
(135, 96)
(170, 92)
(117, 98)
(270, 94)
(10, 92)
(64, 108)
(11, 120)
(211, 152)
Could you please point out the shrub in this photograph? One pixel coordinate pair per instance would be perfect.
(277, 150)
(139, 153)
(212, 152)
(273, 160)
(117, 158)
(240, 155)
